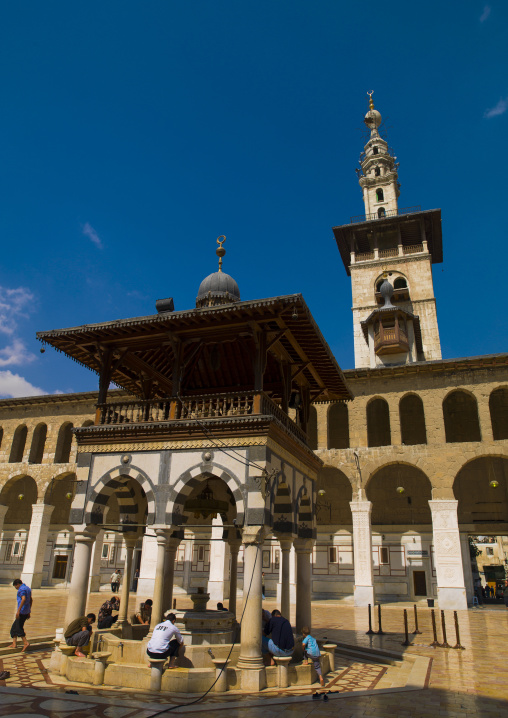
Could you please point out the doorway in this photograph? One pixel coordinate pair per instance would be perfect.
(60, 566)
(419, 583)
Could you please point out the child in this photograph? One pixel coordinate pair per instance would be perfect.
(311, 650)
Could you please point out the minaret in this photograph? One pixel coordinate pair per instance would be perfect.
(389, 252)
(378, 174)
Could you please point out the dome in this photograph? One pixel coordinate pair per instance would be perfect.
(217, 288)
(373, 119)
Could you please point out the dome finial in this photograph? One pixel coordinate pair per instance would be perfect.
(220, 251)
(371, 101)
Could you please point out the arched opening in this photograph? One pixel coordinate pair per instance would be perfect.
(380, 195)
(86, 423)
(19, 494)
(400, 283)
(498, 405)
(64, 444)
(412, 420)
(338, 426)
(481, 488)
(18, 445)
(38, 442)
(375, 150)
(60, 493)
(378, 423)
(381, 212)
(400, 495)
(460, 413)
(334, 492)
(312, 428)
(377, 171)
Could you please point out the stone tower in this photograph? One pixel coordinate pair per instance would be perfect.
(389, 252)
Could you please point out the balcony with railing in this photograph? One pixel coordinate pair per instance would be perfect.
(390, 340)
(388, 213)
(203, 408)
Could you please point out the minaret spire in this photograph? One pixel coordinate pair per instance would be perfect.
(378, 174)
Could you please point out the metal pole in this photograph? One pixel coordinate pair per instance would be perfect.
(380, 631)
(407, 642)
(445, 643)
(435, 643)
(370, 622)
(416, 621)
(457, 634)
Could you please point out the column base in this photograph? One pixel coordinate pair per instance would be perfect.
(452, 599)
(253, 679)
(364, 595)
(94, 584)
(34, 580)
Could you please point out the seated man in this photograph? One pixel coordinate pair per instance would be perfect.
(281, 643)
(220, 607)
(106, 619)
(165, 641)
(78, 633)
(144, 613)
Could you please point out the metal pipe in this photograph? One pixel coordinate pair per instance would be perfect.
(407, 642)
(435, 643)
(445, 643)
(370, 621)
(416, 621)
(457, 634)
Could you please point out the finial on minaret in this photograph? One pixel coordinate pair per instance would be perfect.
(220, 251)
(371, 101)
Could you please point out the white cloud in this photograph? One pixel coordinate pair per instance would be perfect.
(14, 385)
(498, 109)
(15, 353)
(13, 305)
(90, 232)
(486, 13)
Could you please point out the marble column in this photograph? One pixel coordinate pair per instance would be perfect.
(451, 592)
(84, 537)
(303, 548)
(36, 545)
(157, 607)
(285, 576)
(234, 547)
(251, 659)
(94, 582)
(218, 564)
(169, 574)
(123, 622)
(362, 551)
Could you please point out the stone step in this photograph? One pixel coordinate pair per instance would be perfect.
(37, 643)
(369, 655)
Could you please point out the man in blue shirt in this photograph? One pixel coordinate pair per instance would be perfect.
(282, 642)
(25, 601)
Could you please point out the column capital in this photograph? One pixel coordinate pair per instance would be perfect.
(361, 506)
(443, 504)
(130, 542)
(173, 543)
(85, 533)
(254, 534)
(303, 545)
(234, 545)
(285, 541)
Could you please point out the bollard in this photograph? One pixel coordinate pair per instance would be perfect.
(457, 634)
(370, 622)
(407, 642)
(445, 643)
(380, 631)
(435, 643)
(416, 621)
(330, 649)
(282, 663)
(174, 603)
(221, 674)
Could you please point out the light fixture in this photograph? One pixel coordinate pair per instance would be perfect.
(21, 497)
(400, 489)
(205, 505)
(321, 492)
(295, 313)
(68, 495)
(494, 484)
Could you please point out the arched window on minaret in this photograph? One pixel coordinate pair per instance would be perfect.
(381, 212)
(375, 150)
(380, 195)
(377, 171)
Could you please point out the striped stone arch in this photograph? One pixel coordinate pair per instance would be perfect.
(304, 519)
(187, 481)
(281, 509)
(115, 481)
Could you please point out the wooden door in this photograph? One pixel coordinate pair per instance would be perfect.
(419, 583)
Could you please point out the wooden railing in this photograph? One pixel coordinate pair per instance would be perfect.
(202, 407)
(392, 252)
(413, 249)
(364, 256)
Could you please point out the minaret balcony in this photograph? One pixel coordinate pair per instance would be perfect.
(388, 213)
(390, 340)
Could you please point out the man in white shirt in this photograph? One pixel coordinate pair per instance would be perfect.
(165, 641)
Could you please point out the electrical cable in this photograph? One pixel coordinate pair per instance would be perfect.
(197, 700)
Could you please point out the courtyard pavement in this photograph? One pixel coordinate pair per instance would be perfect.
(442, 681)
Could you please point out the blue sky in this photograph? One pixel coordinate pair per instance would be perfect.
(133, 134)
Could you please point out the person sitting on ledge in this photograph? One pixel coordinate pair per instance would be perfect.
(165, 641)
(78, 633)
(106, 619)
(220, 607)
(145, 612)
(282, 643)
